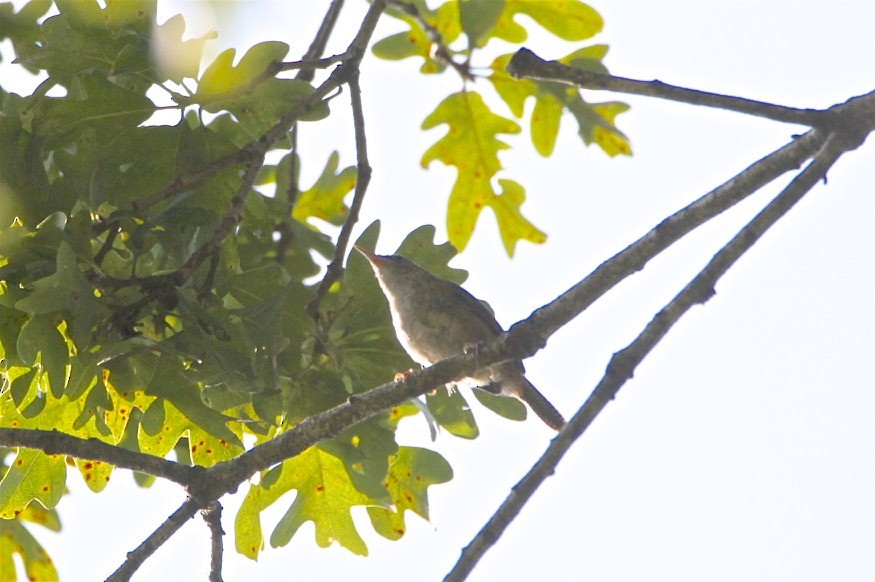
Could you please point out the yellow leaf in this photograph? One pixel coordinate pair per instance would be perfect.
(471, 145)
(325, 198)
(567, 19)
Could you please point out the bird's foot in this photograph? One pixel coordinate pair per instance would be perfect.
(402, 376)
(473, 348)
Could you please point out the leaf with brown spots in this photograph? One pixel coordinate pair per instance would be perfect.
(33, 475)
(471, 145)
(16, 539)
(325, 496)
(412, 471)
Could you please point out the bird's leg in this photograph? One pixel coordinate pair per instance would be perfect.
(402, 377)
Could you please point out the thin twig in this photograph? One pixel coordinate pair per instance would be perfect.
(526, 64)
(212, 515)
(141, 553)
(317, 47)
(363, 178)
(314, 63)
(624, 362)
(229, 222)
(107, 245)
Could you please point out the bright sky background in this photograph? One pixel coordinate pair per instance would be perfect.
(743, 447)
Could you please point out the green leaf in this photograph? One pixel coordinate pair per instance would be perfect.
(595, 122)
(23, 27)
(66, 289)
(478, 18)
(365, 450)
(169, 383)
(416, 42)
(222, 76)
(412, 471)
(453, 413)
(103, 107)
(324, 199)
(164, 425)
(505, 406)
(178, 58)
(325, 496)
(32, 476)
(471, 146)
(255, 100)
(40, 336)
(83, 39)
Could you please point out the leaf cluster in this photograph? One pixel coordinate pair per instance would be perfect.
(156, 271)
(454, 36)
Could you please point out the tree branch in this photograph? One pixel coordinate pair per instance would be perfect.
(163, 533)
(53, 442)
(317, 47)
(624, 362)
(546, 320)
(213, 517)
(363, 178)
(527, 65)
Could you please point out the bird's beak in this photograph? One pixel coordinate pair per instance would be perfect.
(371, 257)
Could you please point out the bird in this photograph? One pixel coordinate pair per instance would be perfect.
(435, 319)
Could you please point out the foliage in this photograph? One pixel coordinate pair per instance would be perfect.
(153, 299)
(471, 143)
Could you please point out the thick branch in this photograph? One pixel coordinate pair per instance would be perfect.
(624, 362)
(53, 442)
(546, 320)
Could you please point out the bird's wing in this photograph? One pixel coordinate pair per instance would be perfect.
(476, 309)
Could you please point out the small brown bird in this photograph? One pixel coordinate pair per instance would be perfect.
(435, 319)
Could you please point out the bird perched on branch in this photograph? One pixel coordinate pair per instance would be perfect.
(435, 319)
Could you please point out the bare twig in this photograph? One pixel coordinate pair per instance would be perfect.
(229, 223)
(624, 362)
(311, 63)
(363, 178)
(141, 553)
(317, 47)
(526, 64)
(213, 517)
(186, 181)
(107, 245)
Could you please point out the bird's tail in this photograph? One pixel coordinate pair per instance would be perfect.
(525, 391)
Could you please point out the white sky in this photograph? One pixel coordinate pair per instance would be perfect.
(743, 447)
